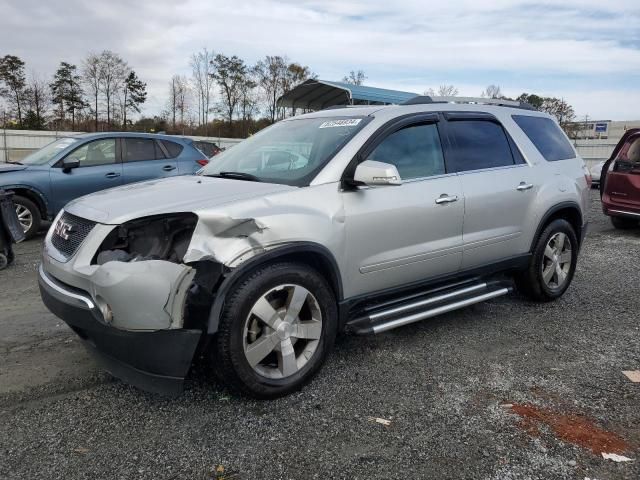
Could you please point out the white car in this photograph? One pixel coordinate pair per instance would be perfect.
(595, 172)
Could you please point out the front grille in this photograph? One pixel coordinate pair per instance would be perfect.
(77, 230)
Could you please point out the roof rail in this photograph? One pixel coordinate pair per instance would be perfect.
(425, 99)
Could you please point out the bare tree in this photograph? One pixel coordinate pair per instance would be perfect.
(113, 71)
(230, 74)
(271, 73)
(355, 78)
(203, 82)
(248, 101)
(492, 91)
(39, 98)
(182, 99)
(91, 74)
(178, 100)
(443, 91)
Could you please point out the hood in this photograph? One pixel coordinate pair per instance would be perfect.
(11, 167)
(169, 195)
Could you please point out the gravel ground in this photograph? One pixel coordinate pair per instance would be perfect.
(503, 390)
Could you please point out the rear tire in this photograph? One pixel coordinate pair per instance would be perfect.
(28, 215)
(552, 264)
(275, 331)
(624, 223)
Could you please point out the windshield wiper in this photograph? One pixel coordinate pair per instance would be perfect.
(14, 163)
(238, 175)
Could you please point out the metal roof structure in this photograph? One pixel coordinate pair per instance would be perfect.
(318, 94)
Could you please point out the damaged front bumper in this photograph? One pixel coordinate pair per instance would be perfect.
(153, 360)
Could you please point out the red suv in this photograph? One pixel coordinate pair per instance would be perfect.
(620, 182)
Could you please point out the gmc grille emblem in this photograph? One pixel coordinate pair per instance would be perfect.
(63, 230)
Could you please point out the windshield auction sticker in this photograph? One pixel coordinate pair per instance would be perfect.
(347, 122)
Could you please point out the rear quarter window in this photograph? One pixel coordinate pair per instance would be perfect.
(547, 137)
(173, 149)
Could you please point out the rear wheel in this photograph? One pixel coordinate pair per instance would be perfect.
(275, 331)
(552, 264)
(28, 215)
(624, 223)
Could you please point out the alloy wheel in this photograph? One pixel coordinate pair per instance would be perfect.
(556, 262)
(282, 331)
(25, 217)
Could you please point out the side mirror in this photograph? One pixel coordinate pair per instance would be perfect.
(70, 163)
(375, 174)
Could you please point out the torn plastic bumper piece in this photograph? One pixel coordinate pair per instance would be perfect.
(156, 361)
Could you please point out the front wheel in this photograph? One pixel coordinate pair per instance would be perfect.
(28, 215)
(552, 264)
(275, 331)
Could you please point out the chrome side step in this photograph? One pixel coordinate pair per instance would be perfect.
(392, 314)
(399, 322)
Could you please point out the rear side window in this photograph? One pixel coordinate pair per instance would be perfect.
(140, 149)
(479, 144)
(547, 137)
(415, 151)
(174, 149)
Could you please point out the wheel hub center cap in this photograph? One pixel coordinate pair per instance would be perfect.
(284, 331)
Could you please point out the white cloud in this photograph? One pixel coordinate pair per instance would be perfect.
(560, 48)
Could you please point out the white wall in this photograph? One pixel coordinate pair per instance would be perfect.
(17, 144)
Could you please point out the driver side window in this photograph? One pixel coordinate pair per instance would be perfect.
(98, 152)
(414, 150)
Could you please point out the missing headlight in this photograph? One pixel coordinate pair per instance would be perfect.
(165, 237)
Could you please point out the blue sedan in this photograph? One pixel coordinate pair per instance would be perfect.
(71, 167)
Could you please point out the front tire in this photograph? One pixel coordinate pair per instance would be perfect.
(275, 331)
(552, 265)
(28, 215)
(623, 223)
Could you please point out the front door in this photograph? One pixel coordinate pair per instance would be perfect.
(99, 169)
(396, 235)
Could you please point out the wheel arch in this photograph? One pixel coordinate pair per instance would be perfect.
(569, 211)
(315, 255)
(32, 194)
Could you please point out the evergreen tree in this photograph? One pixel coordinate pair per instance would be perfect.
(66, 92)
(15, 84)
(134, 94)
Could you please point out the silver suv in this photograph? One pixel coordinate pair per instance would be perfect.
(352, 219)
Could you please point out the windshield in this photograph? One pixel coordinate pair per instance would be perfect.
(45, 154)
(290, 152)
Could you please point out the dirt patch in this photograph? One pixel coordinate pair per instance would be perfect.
(575, 429)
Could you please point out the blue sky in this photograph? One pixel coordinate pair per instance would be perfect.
(586, 51)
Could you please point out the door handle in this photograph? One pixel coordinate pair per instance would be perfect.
(112, 175)
(524, 186)
(444, 198)
(168, 168)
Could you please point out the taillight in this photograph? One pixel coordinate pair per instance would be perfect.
(202, 163)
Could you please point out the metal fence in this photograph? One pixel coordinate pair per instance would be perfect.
(17, 144)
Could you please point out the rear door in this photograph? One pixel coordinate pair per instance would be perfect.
(100, 168)
(499, 188)
(401, 234)
(145, 159)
